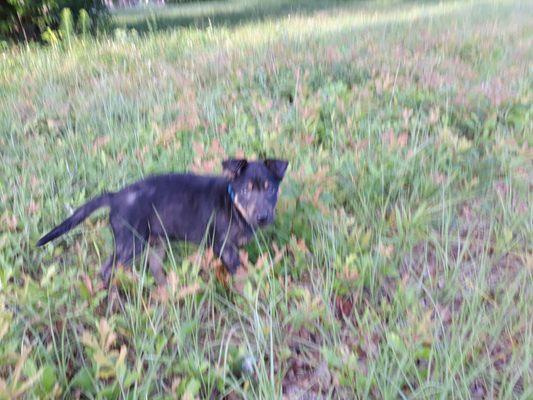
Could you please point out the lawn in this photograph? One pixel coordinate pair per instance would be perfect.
(401, 261)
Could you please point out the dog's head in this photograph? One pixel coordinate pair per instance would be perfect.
(254, 187)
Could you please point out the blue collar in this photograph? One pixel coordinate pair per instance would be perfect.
(231, 193)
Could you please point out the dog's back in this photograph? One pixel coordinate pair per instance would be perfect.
(175, 205)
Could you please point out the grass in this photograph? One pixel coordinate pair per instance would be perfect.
(214, 13)
(400, 263)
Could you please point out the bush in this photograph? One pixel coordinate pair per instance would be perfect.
(30, 19)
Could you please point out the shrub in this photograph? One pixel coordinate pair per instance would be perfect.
(66, 26)
(30, 19)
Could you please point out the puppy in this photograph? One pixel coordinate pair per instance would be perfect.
(226, 209)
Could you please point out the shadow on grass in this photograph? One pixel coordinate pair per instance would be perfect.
(216, 13)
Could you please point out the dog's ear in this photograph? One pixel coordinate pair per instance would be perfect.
(277, 167)
(233, 168)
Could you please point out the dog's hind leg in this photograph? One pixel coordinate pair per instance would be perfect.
(129, 244)
(155, 260)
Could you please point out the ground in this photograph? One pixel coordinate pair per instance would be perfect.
(400, 263)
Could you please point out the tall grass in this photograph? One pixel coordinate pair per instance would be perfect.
(399, 265)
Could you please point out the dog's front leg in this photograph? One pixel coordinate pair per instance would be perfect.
(229, 254)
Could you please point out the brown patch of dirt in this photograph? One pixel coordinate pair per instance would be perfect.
(305, 381)
(307, 376)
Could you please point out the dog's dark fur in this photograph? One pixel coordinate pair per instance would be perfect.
(186, 207)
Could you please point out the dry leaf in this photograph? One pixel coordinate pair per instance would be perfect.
(187, 291)
(239, 280)
(222, 275)
(344, 306)
(88, 283)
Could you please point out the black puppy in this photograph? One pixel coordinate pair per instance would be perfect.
(186, 207)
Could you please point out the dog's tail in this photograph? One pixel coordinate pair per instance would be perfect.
(79, 215)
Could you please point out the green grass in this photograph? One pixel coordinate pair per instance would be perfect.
(400, 264)
(214, 13)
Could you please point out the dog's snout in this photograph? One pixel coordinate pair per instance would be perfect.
(262, 218)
